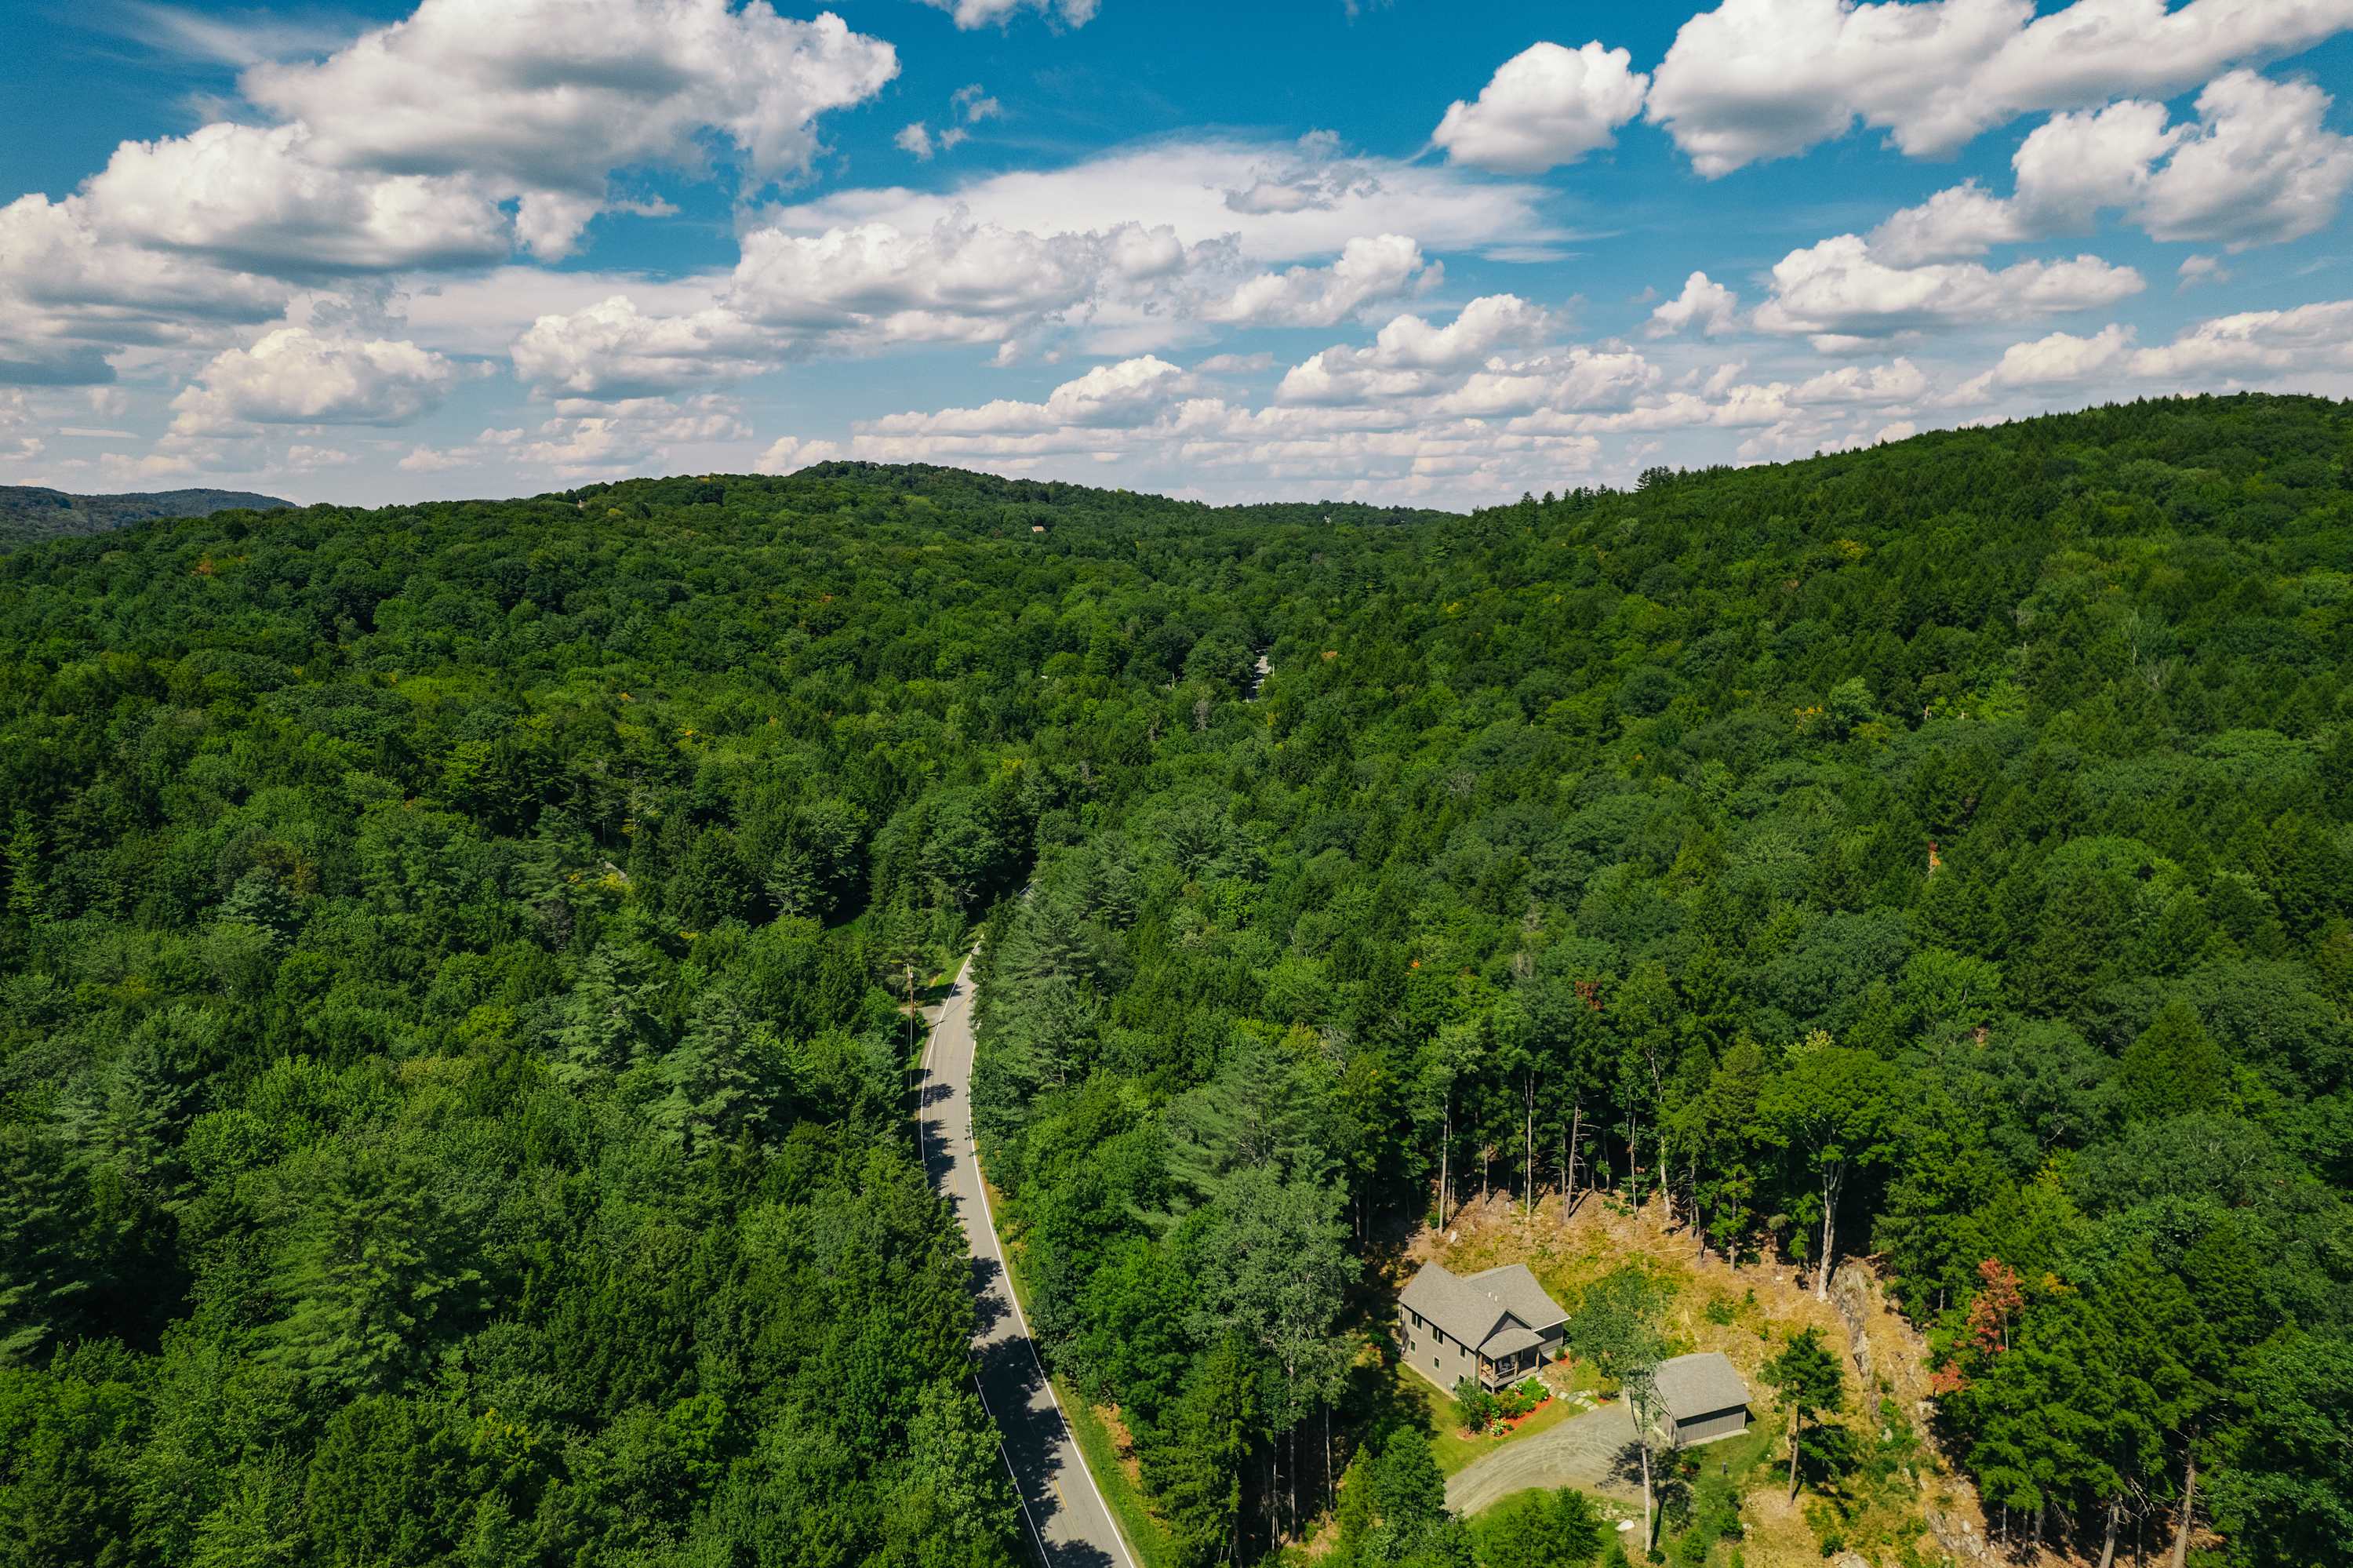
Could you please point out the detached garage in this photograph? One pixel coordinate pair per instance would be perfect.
(1704, 1399)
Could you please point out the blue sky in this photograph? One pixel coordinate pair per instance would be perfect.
(1405, 251)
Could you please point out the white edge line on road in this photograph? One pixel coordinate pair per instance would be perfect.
(980, 1179)
(1003, 1456)
(1035, 1538)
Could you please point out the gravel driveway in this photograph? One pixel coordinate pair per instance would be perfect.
(1594, 1452)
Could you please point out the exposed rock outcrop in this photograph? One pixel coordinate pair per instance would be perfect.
(1853, 1292)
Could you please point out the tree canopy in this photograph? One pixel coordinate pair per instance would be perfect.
(451, 1096)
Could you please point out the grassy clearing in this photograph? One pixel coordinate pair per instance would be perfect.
(1706, 1525)
(1452, 1449)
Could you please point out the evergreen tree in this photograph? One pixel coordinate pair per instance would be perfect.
(721, 1078)
(1196, 1463)
(609, 1022)
(43, 1220)
(2173, 1067)
(1540, 1530)
(1811, 1384)
(372, 1265)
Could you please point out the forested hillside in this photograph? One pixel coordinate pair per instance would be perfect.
(1939, 852)
(28, 512)
(451, 1100)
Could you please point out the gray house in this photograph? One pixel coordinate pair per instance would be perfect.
(1704, 1399)
(1498, 1326)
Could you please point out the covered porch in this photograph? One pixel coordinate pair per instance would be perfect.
(1509, 1355)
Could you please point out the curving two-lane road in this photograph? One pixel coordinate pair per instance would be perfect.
(1064, 1513)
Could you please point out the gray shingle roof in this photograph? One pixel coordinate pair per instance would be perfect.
(1702, 1384)
(1499, 1310)
(1510, 1340)
(1521, 1297)
(1463, 1310)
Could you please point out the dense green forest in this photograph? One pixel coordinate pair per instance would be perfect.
(452, 1107)
(28, 512)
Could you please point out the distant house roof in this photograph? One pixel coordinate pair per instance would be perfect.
(1500, 1311)
(1704, 1384)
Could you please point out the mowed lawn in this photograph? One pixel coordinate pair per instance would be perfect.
(1454, 1450)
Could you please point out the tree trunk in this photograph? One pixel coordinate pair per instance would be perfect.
(1568, 1160)
(2108, 1544)
(1699, 1214)
(1649, 1519)
(1445, 1148)
(1528, 1177)
(2189, 1510)
(1666, 1171)
(1833, 1178)
(1793, 1456)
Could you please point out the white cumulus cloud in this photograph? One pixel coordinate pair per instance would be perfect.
(2255, 344)
(610, 350)
(1703, 303)
(1546, 106)
(1278, 202)
(1754, 80)
(70, 297)
(295, 376)
(1107, 396)
(971, 14)
(2257, 167)
(1411, 357)
(261, 201)
(1839, 294)
(788, 454)
(2059, 360)
(1369, 268)
(542, 100)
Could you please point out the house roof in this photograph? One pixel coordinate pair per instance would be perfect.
(1460, 1309)
(1500, 1310)
(1510, 1340)
(1704, 1384)
(1521, 1297)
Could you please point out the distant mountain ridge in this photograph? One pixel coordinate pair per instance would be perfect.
(29, 512)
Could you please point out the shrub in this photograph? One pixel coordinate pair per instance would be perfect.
(1478, 1407)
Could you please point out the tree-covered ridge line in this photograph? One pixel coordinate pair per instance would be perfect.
(510, 895)
(29, 512)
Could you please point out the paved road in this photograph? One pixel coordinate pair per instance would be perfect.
(1067, 1520)
(1594, 1451)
